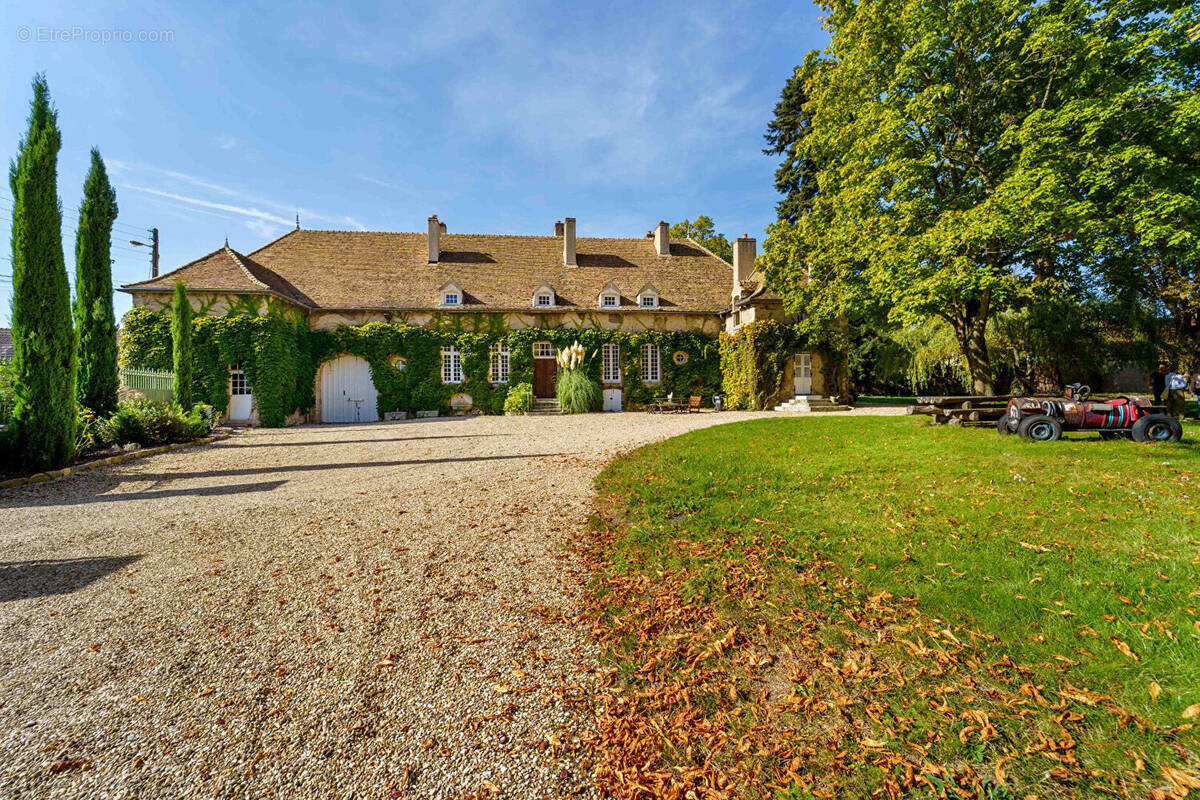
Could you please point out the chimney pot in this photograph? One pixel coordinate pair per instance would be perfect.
(558, 228)
(569, 242)
(662, 239)
(435, 230)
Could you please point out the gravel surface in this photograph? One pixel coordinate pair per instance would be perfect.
(327, 611)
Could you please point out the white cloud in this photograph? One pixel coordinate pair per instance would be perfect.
(244, 211)
(264, 229)
(226, 142)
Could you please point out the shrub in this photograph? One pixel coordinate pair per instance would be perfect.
(578, 393)
(146, 422)
(7, 396)
(200, 420)
(86, 429)
(519, 399)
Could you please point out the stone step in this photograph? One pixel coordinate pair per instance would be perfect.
(545, 405)
(810, 403)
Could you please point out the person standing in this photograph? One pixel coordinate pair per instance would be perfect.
(1196, 389)
(1158, 383)
(1177, 384)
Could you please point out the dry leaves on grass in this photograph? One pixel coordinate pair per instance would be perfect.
(833, 692)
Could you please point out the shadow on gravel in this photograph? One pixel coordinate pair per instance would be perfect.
(20, 580)
(152, 494)
(274, 469)
(336, 442)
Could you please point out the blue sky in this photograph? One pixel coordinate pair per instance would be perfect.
(499, 117)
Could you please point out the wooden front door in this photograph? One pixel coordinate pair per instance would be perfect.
(545, 372)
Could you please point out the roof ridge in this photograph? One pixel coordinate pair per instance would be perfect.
(460, 233)
(235, 256)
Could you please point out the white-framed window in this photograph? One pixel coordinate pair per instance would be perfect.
(610, 300)
(611, 362)
(451, 365)
(543, 299)
(451, 297)
(238, 385)
(651, 368)
(544, 350)
(648, 300)
(499, 363)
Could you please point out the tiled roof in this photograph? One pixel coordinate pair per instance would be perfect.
(224, 269)
(6, 344)
(348, 269)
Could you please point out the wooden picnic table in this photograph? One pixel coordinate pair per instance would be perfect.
(957, 409)
(663, 405)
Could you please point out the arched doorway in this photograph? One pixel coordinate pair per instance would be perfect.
(347, 392)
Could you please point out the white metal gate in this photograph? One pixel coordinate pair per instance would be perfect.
(803, 373)
(347, 392)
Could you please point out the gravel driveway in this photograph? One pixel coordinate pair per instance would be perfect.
(326, 611)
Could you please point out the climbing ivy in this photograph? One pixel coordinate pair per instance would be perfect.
(281, 358)
(754, 361)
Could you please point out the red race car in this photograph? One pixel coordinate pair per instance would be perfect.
(1043, 419)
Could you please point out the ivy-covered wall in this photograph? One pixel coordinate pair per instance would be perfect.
(281, 359)
(754, 363)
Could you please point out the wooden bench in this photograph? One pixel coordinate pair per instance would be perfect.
(957, 409)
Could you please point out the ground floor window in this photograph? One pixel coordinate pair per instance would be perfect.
(451, 365)
(238, 385)
(651, 368)
(611, 355)
(543, 350)
(499, 366)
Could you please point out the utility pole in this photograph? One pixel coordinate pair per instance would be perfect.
(153, 250)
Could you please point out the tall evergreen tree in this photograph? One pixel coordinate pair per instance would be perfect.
(796, 177)
(95, 322)
(181, 346)
(44, 359)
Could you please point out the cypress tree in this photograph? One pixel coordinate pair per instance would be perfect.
(44, 359)
(181, 347)
(95, 321)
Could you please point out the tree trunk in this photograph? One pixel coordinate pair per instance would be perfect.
(971, 327)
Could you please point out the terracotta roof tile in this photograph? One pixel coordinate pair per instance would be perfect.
(349, 269)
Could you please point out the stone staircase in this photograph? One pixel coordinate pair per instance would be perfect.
(805, 403)
(545, 405)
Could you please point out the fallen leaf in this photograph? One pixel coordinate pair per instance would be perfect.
(1192, 711)
(1124, 648)
(1155, 690)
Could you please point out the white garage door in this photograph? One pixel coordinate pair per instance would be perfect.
(347, 393)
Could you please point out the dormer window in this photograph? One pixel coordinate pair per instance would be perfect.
(543, 297)
(451, 294)
(648, 297)
(610, 297)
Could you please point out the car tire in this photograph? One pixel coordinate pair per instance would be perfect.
(1040, 428)
(1157, 428)
(1002, 426)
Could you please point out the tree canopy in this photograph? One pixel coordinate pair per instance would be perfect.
(703, 230)
(95, 321)
(967, 149)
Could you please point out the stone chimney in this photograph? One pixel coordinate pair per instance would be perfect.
(569, 242)
(744, 250)
(435, 230)
(662, 239)
(558, 228)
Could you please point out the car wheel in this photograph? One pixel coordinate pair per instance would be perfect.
(1040, 428)
(1157, 428)
(1002, 426)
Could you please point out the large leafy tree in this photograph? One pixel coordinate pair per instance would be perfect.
(704, 230)
(44, 358)
(181, 347)
(941, 178)
(95, 321)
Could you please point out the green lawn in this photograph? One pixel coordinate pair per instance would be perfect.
(839, 606)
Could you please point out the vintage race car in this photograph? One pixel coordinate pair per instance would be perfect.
(1043, 419)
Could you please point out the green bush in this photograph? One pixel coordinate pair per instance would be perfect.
(7, 393)
(578, 393)
(519, 399)
(146, 422)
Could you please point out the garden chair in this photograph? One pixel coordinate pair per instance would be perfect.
(693, 404)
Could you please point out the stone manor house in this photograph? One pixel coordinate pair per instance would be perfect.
(336, 278)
